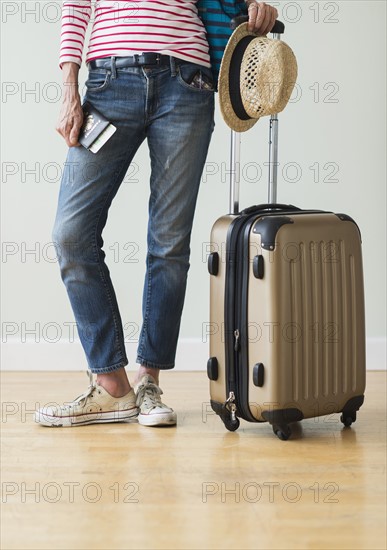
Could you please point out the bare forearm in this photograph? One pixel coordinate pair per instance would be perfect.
(70, 72)
(71, 116)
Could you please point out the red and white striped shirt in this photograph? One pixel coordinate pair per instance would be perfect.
(126, 27)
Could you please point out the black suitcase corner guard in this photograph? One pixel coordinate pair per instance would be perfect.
(346, 218)
(217, 407)
(268, 227)
(212, 368)
(213, 263)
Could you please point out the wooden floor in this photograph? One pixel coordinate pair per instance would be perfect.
(196, 486)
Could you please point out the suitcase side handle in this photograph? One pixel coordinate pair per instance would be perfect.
(270, 207)
(279, 27)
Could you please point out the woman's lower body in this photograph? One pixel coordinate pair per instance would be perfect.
(159, 104)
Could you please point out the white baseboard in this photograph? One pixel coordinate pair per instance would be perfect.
(192, 355)
(376, 353)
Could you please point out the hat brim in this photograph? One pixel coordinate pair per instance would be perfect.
(226, 108)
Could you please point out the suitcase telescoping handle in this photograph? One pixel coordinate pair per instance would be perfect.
(277, 30)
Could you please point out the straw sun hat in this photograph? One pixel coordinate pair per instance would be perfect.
(257, 76)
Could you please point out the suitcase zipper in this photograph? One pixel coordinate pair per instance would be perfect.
(230, 405)
(234, 275)
(236, 335)
(240, 319)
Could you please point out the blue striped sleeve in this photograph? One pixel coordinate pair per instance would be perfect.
(216, 16)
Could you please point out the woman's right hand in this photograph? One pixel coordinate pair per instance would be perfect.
(71, 114)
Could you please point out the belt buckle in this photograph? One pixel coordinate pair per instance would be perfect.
(158, 57)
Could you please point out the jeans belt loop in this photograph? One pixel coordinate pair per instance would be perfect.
(172, 64)
(113, 67)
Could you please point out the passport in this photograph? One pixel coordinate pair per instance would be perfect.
(96, 128)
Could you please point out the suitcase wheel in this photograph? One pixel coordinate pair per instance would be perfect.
(231, 425)
(348, 418)
(282, 432)
(348, 414)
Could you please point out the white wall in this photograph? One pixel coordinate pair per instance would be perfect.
(336, 117)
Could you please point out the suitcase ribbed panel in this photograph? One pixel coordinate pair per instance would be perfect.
(353, 365)
(347, 316)
(326, 323)
(323, 323)
(350, 325)
(337, 293)
(314, 281)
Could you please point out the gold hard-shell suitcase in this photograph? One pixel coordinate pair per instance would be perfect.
(287, 338)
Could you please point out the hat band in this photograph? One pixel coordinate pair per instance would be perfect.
(234, 77)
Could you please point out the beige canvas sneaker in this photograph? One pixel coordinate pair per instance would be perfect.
(94, 406)
(152, 411)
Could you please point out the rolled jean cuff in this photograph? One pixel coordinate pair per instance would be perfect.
(112, 368)
(151, 365)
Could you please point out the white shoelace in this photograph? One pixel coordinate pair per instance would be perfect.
(81, 399)
(149, 395)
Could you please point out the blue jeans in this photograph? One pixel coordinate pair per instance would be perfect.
(177, 119)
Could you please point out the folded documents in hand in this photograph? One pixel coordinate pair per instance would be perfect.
(96, 129)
